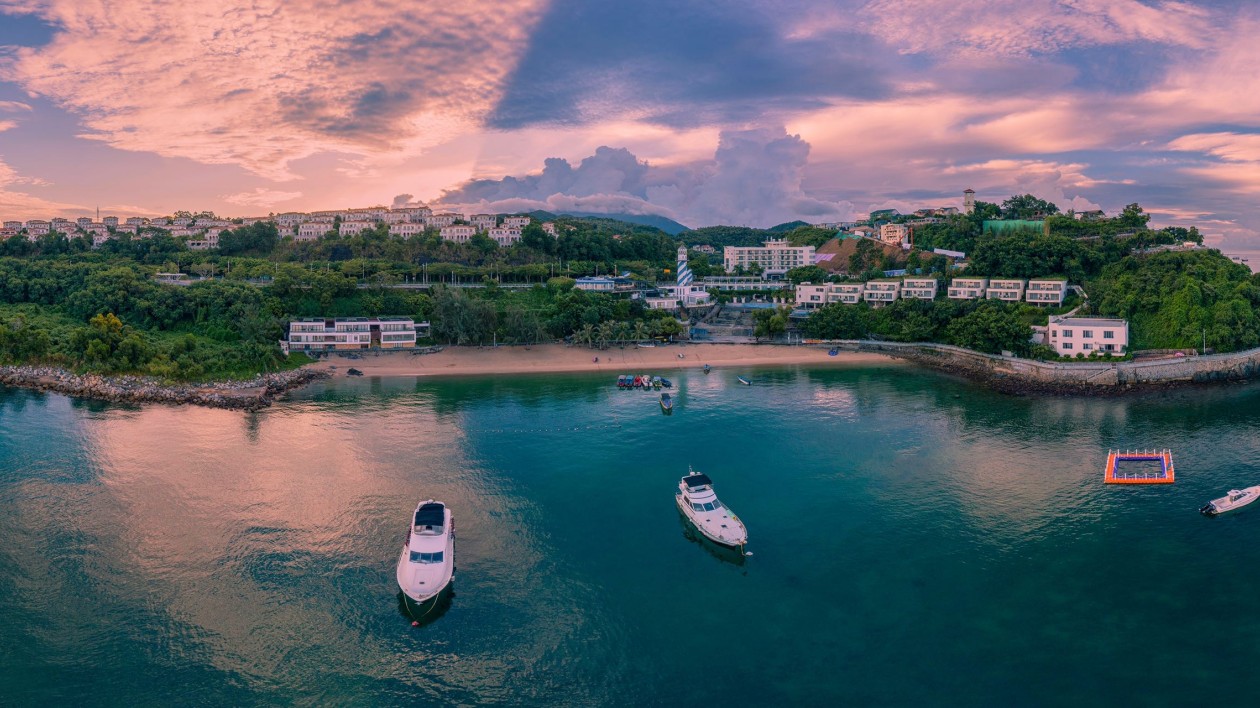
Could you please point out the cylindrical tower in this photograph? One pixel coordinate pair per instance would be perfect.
(685, 275)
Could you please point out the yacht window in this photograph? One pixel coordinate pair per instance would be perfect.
(717, 504)
(708, 506)
(697, 507)
(418, 557)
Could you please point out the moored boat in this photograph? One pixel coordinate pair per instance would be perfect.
(699, 503)
(1236, 499)
(656, 382)
(638, 382)
(707, 369)
(744, 381)
(667, 403)
(621, 382)
(427, 563)
(667, 383)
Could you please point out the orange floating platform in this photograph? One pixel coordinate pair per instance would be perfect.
(1119, 461)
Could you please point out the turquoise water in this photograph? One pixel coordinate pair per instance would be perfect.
(917, 540)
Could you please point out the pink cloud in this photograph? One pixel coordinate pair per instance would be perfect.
(260, 197)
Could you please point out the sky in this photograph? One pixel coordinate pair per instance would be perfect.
(744, 112)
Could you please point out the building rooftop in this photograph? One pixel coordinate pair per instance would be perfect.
(1088, 321)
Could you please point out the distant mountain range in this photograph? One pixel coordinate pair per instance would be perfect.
(669, 226)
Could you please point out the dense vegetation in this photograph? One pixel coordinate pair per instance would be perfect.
(983, 325)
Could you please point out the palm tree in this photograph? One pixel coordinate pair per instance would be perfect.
(641, 331)
(604, 333)
(586, 335)
(622, 330)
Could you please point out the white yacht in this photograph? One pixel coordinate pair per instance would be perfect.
(1236, 499)
(427, 563)
(699, 503)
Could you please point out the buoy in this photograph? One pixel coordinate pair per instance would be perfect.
(415, 624)
(747, 553)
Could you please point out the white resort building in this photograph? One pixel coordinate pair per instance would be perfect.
(1070, 336)
(459, 233)
(320, 334)
(775, 257)
(881, 292)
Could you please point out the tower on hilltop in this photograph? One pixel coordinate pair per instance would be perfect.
(969, 201)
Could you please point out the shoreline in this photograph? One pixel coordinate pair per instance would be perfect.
(249, 395)
(519, 360)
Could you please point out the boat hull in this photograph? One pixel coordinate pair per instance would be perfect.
(428, 595)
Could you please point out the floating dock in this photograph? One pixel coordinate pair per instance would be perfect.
(1139, 459)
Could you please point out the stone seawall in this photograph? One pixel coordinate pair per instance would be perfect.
(1093, 377)
(239, 395)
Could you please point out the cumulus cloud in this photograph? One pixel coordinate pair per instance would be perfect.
(754, 178)
(22, 205)
(262, 83)
(259, 197)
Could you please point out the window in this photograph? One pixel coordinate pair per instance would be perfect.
(418, 557)
(1108, 334)
(1067, 333)
(1067, 345)
(1109, 347)
(1087, 345)
(697, 507)
(1087, 333)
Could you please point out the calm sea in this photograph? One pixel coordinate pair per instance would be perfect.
(917, 540)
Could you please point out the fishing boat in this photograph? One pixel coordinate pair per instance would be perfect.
(1236, 499)
(699, 503)
(744, 381)
(667, 383)
(427, 563)
(656, 382)
(638, 382)
(647, 382)
(621, 382)
(706, 368)
(667, 403)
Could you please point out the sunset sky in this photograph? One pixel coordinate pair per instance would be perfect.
(704, 111)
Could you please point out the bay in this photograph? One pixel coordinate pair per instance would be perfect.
(917, 539)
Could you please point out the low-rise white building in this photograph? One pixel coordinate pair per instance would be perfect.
(99, 239)
(394, 217)
(15, 225)
(459, 233)
(881, 292)
(441, 220)
(126, 229)
(484, 222)
(597, 284)
(353, 333)
(1070, 336)
(110, 221)
(919, 288)
(312, 230)
(354, 228)
(1005, 289)
(516, 222)
(775, 257)
(137, 221)
(505, 235)
(38, 227)
(1046, 291)
(967, 288)
(810, 296)
(407, 229)
(549, 227)
(894, 234)
(291, 219)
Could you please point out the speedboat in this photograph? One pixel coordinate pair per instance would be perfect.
(1236, 499)
(667, 403)
(699, 503)
(621, 381)
(638, 382)
(667, 383)
(427, 563)
(706, 368)
(744, 381)
(656, 382)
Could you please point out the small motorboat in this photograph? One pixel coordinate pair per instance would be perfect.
(353, 372)
(706, 368)
(667, 403)
(647, 382)
(427, 563)
(744, 381)
(667, 383)
(1236, 499)
(621, 382)
(656, 383)
(638, 382)
(699, 503)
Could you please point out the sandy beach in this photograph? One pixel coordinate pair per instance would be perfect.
(557, 358)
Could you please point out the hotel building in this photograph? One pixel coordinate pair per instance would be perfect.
(320, 334)
(1046, 291)
(919, 288)
(775, 257)
(1006, 290)
(967, 288)
(881, 292)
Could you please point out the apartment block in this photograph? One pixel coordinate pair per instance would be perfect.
(968, 288)
(1046, 291)
(1070, 336)
(919, 288)
(1005, 289)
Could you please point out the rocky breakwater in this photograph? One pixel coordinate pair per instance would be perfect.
(249, 395)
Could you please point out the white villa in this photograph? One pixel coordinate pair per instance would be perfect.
(1070, 336)
(919, 288)
(312, 230)
(967, 288)
(516, 222)
(1046, 291)
(484, 222)
(407, 229)
(775, 257)
(881, 292)
(354, 228)
(1005, 289)
(505, 235)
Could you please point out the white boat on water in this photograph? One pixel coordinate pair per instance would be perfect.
(699, 503)
(427, 563)
(1236, 499)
